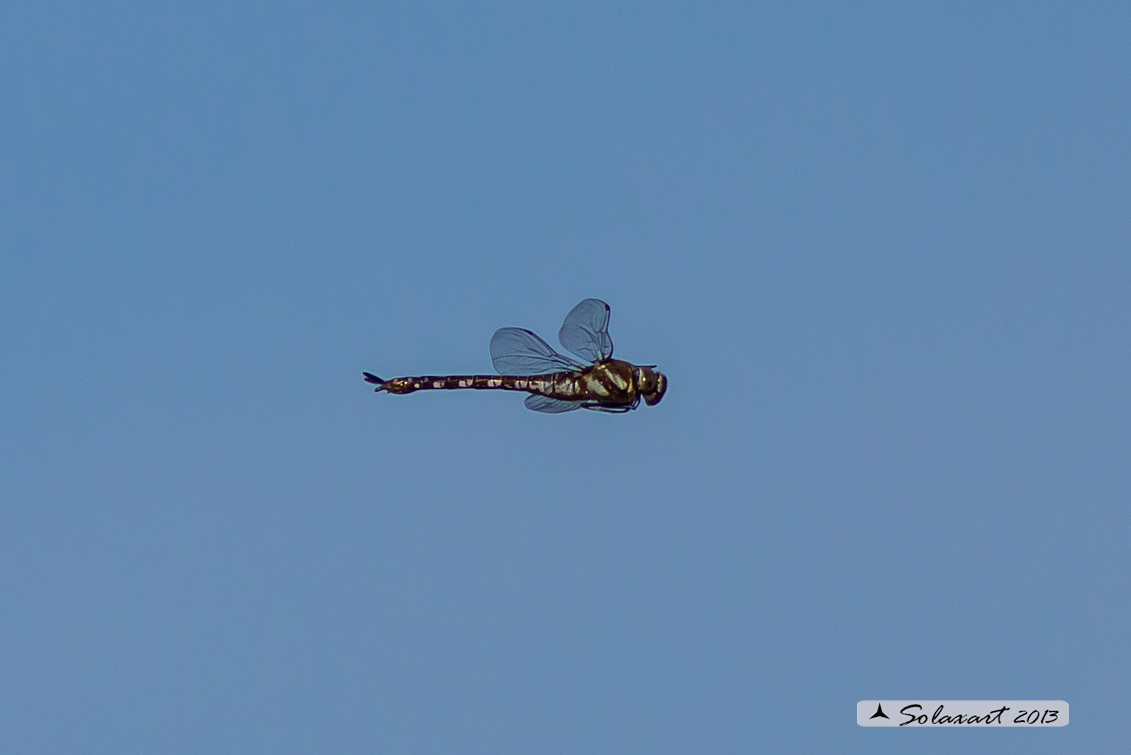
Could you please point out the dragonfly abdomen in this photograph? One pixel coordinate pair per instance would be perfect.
(558, 385)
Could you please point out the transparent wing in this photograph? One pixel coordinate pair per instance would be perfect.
(516, 351)
(550, 405)
(586, 331)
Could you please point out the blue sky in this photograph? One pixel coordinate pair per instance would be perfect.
(881, 251)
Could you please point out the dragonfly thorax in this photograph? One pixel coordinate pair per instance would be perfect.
(611, 382)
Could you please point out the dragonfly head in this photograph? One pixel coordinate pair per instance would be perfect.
(651, 384)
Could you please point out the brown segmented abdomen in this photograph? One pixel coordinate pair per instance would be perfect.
(557, 385)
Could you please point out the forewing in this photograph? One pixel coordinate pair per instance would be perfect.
(550, 405)
(586, 331)
(517, 351)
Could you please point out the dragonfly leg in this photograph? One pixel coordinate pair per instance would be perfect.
(609, 409)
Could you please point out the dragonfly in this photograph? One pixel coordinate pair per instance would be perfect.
(556, 383)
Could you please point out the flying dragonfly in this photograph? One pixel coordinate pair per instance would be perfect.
(556, 383)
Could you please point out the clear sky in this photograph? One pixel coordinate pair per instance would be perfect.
(881, 250)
